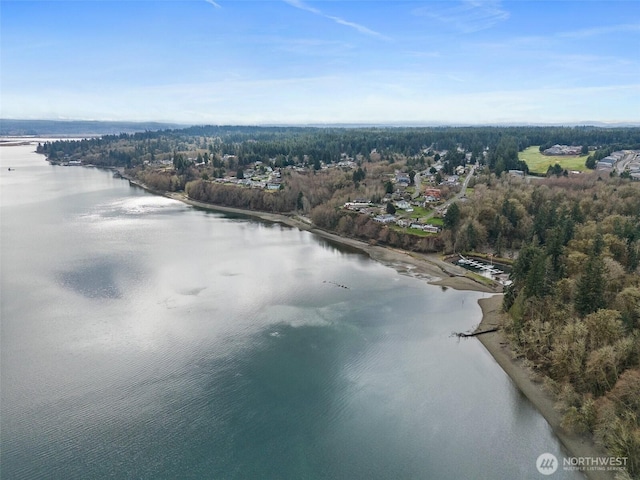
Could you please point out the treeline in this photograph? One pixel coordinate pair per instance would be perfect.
(123, 150)
(505, 214)
(158, 180)
(574, 304)
(363, 227)
(408, 141)
(14, 127)
(300, 191)
(320, 196)
(286, 145)
(281, 201)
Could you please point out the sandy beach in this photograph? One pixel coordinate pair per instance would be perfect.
(497, 345)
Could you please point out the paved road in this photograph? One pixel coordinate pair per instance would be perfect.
(417, 181)
(456, 197)
(463, 190)
(624, 161)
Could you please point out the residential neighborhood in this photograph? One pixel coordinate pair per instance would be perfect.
(624, 162)
(417, 206)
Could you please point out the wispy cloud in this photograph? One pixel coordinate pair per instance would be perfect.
(341, 21)
(468, 16)
(390, 97)
(211, 2)
(314, 47)
(577, 65)
(420, 54)
(592, 32)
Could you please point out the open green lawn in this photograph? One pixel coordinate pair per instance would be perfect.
(539, 163)
(418, 212)
(412, 231)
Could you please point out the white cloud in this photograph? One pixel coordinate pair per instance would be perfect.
(213, 3)
(468, 16)
(389, 97)
(314, 47)
(341, 21)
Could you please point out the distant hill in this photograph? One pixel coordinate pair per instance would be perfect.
(11, 127)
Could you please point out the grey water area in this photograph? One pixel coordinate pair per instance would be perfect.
(143, 338)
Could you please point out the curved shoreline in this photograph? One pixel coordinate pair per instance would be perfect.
(498, 346)
(437, 272)
(426, 266)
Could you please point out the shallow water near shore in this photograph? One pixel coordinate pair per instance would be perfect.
(143, 338)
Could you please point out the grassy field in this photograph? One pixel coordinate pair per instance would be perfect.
(539, 163)
(417, 213)
(412, 231)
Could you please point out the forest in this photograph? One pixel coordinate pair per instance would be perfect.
(284, 144)
(574, 304)
(573, 239)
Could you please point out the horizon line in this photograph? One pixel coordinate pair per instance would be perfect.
(576, 123)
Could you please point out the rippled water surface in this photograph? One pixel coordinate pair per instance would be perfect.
(142, 338)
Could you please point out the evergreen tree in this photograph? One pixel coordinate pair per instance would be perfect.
(554, 250)
(590, 286)
(472, 236)
(391, 210)
(452, 218)
(538, 282)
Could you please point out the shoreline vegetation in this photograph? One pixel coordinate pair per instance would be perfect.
(578, 445)
(407, 196)
(426, 266)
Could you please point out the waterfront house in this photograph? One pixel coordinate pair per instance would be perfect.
(385, 219)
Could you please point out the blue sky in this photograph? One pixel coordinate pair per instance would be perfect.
(296, 61)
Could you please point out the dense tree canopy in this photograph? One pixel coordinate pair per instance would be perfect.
(250, 144)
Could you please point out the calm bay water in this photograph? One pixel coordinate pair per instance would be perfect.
(143, 338)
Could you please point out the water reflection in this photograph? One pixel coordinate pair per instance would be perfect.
(97, 280)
